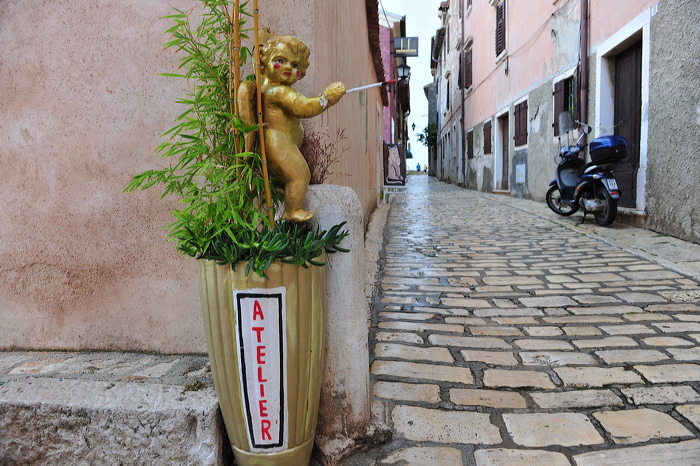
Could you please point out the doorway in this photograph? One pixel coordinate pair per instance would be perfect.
(502, 168)
(628, 117)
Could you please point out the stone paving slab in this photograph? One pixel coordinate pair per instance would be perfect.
(504, 456)
(640, 425)
(576, 399)
(541, 430)
(686, 453)
(439, 426)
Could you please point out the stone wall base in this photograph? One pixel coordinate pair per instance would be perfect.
(67, 421)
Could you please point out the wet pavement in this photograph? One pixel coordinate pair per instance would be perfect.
(501, 334)
(504, 334)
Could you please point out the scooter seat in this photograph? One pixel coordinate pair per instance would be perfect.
(583, 169)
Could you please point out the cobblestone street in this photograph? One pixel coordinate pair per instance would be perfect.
(503, 337)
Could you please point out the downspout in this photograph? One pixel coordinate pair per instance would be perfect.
(583, 114)
(465, 160)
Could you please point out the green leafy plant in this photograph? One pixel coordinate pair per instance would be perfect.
(429, 135)
(221, 189)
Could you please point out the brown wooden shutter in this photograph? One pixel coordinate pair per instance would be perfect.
(521, 123)
(558, 104)
(468, 68)
(460, 76)
(500, 27)
(470, 144)
(487, 137)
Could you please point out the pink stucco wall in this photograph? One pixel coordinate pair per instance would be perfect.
(608, 17)
(389, 112)
(82, 110)
(541, 42)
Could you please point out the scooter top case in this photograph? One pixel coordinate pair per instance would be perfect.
(608, 149)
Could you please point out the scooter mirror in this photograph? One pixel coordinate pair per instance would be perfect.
(586, 129)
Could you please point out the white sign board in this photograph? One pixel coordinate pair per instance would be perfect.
(262, 358)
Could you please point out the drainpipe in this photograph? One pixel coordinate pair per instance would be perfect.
(583, 116)
(464, 142)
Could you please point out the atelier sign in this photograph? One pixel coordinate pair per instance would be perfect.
(262, 358)
(406, 46)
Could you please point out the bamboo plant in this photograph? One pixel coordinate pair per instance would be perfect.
(226, 207)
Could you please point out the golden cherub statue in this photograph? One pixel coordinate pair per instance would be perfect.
(284, 61)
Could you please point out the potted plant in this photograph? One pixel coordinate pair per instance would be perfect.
(261, 286)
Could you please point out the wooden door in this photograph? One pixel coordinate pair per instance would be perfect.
(503, 175)
(628, 118)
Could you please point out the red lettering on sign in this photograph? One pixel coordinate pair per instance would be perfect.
(262, 407)
(262, 391)
(261, 354)
(265, 429)
(257, 311)
(260, 375)
(258, 331)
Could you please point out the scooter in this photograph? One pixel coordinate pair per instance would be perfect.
(591, 186)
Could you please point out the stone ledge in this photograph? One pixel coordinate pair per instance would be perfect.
(68, 421)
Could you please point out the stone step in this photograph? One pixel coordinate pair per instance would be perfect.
(92, 408)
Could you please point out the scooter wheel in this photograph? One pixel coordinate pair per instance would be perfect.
(606, 216)
(554, 202)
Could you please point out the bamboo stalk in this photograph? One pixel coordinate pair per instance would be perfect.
(258, 95)
(235, 51)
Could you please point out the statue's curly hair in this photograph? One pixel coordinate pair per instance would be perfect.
(275, 44)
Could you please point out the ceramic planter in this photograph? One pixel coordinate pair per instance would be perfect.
(265, 341)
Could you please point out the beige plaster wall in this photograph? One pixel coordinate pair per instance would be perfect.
(83, 265)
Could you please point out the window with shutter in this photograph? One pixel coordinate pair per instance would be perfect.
(470, 145)
(468, 68)
(447, 97)
(487, 137)
(564, 101)
(500, 27)
(460, 75)
(521, 123)
(558, 104)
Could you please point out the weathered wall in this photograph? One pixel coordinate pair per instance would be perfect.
(674, 102)
(83, 265)
(450, 108)
(541, 146)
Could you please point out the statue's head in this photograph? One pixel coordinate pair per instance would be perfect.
(287, 47)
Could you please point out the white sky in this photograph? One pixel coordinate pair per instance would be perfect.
(421, 21)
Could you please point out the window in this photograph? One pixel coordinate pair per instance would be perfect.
(467, 68)
(447, 96)
(487, 137)
(470, 144)
(500, 27)
(521, 123)
(564, 101)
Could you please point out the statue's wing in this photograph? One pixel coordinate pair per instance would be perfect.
(246, 110)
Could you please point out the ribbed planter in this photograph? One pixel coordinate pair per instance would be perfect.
(265, 341)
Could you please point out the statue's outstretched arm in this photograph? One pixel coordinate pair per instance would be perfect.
(306, 107)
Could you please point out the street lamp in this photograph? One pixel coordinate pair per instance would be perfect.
(404, 71)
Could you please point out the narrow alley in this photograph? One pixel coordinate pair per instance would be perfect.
(503, 337)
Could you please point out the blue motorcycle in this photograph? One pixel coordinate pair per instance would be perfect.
(591, 186)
